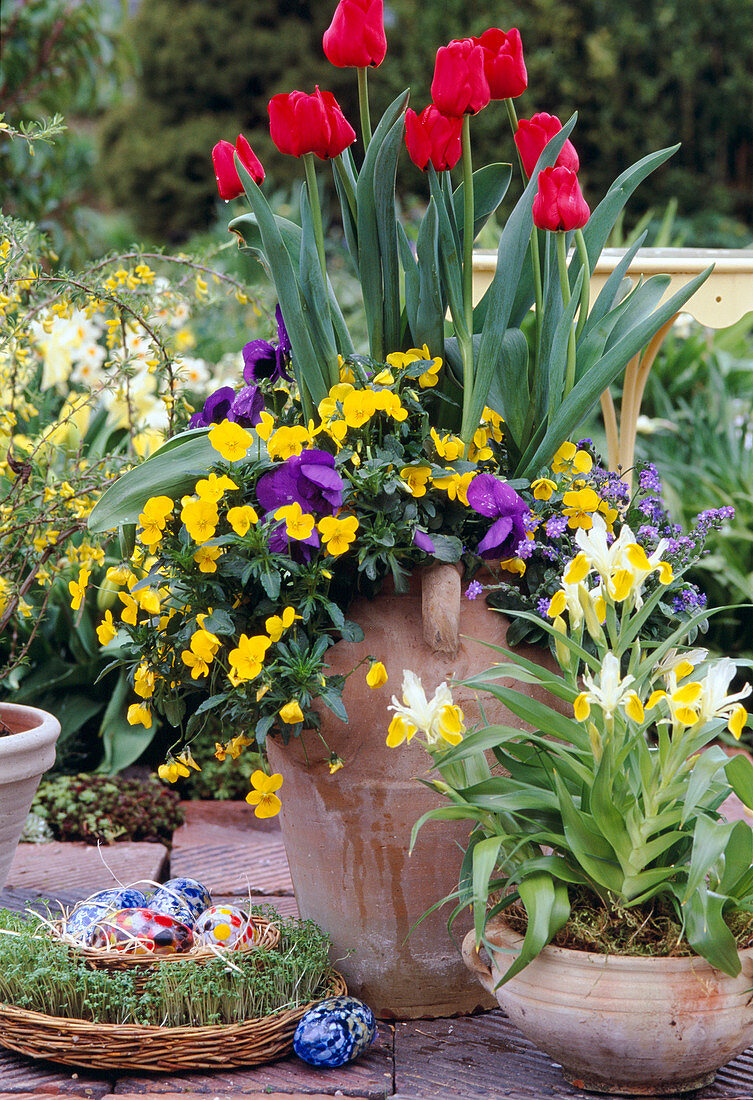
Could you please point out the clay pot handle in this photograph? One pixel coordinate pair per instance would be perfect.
(440, 608)
(472, 960)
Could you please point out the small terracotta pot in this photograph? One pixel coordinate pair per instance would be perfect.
(347, 835)
(25, 755)
(630, 1025)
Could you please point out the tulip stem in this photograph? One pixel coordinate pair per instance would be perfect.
(585, 288)
(316, 211)
(363, 106)
(565, 286)
(345, 180)
(466, 343)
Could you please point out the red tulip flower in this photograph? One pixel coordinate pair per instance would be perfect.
(503, 62)
(301, 123)
(432, 136)
(534, 133)
(559, 205)
(460, 86)
(223, 159)
(355, 37)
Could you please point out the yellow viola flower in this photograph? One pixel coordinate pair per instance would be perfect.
(449, 447)
(106, 630)
(265, 427)
(276, 625)
(288, 442)
(230, 440)
(358, 407)
(205, 643)
(187, 760)
(219, 751)
(569, 460)
(493, 422)
(214, 487)
(513, 565)
(172, 771)
(543, 487)
(389, 402)
(206, 558)
(148, 600)
(298, 524)
(337, 534)
(263, 797)
(376, 677)
(247, 659)
(130, 608)
(200, 518)
(153, 520)
(241, 517)
(335, 763)
(416, 477)
(384, 378)
(347, 374)
(237, 744)
(77, 588)
(291, 712)
(199, 667)
(455, 485)
(579, 506)
(144, 679)
(479, 450)
(139, 715)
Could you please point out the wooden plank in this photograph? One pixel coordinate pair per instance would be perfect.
(25, 1077)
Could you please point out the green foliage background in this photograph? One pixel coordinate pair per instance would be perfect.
(640, 77)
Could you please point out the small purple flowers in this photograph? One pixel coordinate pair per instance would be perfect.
(474, 590)
(309, 479)
(491, 497)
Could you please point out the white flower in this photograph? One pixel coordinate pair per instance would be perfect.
(438, 719)
(608, 692)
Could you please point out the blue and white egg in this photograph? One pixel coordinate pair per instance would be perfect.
(334, 1032)
(125, 897)
(169, 905)
(80, 924)
(192, 895)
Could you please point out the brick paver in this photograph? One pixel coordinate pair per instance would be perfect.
(78, 870)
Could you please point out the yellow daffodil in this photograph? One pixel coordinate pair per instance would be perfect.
(241, 517)
(263, 797)
(291, 712)
(230, 440)
(376, 677)
(337, 533)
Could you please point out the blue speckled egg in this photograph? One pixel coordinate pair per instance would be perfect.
(83, 918)
(334, 1032)
(168, 905)
(125, 897)
(185, 891)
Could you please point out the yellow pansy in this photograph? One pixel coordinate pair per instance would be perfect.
(206, 558)
(479, 450)
(144, 679)
(543, 487)
(139, 715)
(448, 446)
(172, 771)
(579, 506)
(241, 517)
(298, 524)
(130, 608)
(376, 677)
(287, 442)
(416, 478)
(389, 402)
(230, 440)
(263, 797)
(358, 407)
(106, 630)
(200, 518)
(384, 378)
(569, 460)
(455, 485)
(247, 659)
(276, 625)
(337, 534)
(265, 426)
(214, 487)
(291, 712)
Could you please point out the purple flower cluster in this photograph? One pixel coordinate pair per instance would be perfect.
(712, 519)
(309, 479)
(244, 408)
(474, 590)
(689, 600)
(649, 480)
(555, 526)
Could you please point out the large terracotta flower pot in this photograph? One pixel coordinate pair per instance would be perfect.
(347, 835)
(630, 1025)
(25, 755)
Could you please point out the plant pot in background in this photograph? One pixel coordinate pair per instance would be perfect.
(25, 755)
(631, 1025)
(347, 835)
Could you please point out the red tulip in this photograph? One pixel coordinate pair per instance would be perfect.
(534, 133)
(460, 86)
(301, 123)
(503, 62)
(223, 159)
(355, 37)
(559, 204)
(432, 136)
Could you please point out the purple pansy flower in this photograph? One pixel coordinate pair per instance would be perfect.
(264, 360)
(216, 408)
(309, 479)
(423, 542)
(494, 498)
(247, 407)
(298, 549)
(283, 340)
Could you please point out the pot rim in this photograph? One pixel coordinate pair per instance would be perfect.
(36, 718)
(571, 956)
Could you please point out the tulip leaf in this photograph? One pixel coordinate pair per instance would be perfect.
(606, 298)
(315, 293)
(547, 906)
(592, 384)
(510, 373)
(431, 306)
(450, 263)
(311, 375)
(490, 185)
(170, 471)
(385, 173)
(558, 351)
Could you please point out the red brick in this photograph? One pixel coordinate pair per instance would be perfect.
(231, 861)
(78, 870)
(22, 1076)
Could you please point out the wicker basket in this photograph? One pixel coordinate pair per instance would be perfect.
(154, 1049)
(102, 958)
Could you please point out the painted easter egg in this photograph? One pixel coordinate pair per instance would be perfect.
(142, 931)
(188, 891)
(124, 897)
(169, 905)
(334, 1032)
(225, 926)
(83, 919)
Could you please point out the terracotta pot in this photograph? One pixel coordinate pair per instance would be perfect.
(630, 1025)
(347, 835)
(25, 755)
